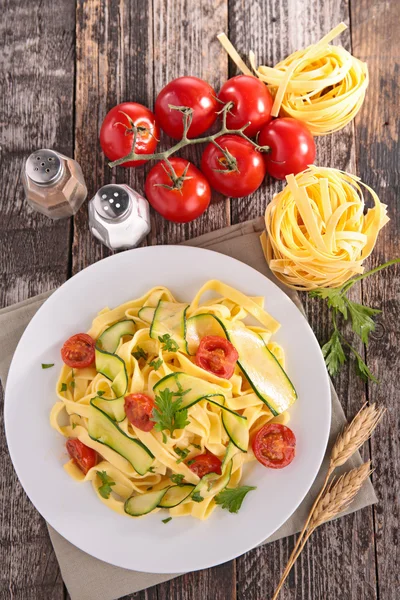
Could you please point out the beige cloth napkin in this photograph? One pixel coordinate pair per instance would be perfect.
(90, 579)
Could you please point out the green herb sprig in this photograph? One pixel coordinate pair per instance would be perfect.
(167, 413)
(105, 489)
(232, 499)
(140, 353)
(362, 323)
(156, 364)
(170, 345)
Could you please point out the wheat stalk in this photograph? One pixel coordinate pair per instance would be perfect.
(342, 491)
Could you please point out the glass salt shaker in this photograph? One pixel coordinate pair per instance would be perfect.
(119, 217)
(53, 184)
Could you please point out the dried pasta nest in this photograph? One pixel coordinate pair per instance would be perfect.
(317, 234)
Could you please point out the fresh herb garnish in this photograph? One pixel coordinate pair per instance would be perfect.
(177, 478)
(156, 364)
(232, 499)
(150, 470)
(105, 489)
(149, 488)
(170, 345)
(72, 384)
(168, 414)
(167, 520)
(197, 497)
(140, 353)
(182, 453)
(74, 425)
(190, 462)
(100, 393)
(196, 446)
(47, 365)
(63, 387)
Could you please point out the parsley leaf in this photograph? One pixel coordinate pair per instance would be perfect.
(156, 364)
(177, 478)
(334, 298)
(333, 353)
(232, 499)
(105, 489)
(47, 365)
(74, 425)
(72, 384)
(196, 446)
(151, 470)
(361, 319)
(149, 488)
(168, 414)
(197, 497)
(100, 393)
(63, 387)
(140, 353)
(167, 520)
(182, 453)
(170, 345)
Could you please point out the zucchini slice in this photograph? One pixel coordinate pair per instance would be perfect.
(146, 313)
(263, 371)
(103, 429)
(198, 327)
(142, 504)
(112, 367)
(175, 495)
(197, 388)
(110, 338)
(170, 318)
(235, 426)
(113, 407)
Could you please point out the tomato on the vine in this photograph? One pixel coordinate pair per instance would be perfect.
(233, 167)
(117, 134)
(292, 147)
(190, 92)
(181, 195)
(252, 103)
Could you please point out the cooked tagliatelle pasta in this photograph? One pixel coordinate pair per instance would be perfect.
(148, 349)
(324, 86)
(317, 234)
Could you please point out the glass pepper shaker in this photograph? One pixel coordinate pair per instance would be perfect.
(53, 184)
(119, 217)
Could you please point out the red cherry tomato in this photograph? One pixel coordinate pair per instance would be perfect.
(78, 351)
(216, 355)
(139, 409)
(193, 93)
(116, 134)
(83, 456)
(292, 147)
(274, 445)
(252, 103)
(205, 463)
(178, 205)
(250, 167)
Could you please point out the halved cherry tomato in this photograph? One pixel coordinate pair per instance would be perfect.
(78, 351)
(116, 133)
(252, 103)
(248, 169)
(193, 93)
(292, 147)
(139, 409)
(83, 456)
(274, 445)
(205, 463)
(185, 203)
(217, 355)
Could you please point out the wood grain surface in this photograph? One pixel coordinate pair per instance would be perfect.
(63, 66)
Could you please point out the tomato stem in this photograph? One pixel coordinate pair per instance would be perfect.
(187, 115)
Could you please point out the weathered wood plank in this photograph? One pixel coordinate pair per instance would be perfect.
(36, 110)
(340, 557)
(376, 39)
(185, 44)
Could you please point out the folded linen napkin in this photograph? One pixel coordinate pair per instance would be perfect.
(88, 578)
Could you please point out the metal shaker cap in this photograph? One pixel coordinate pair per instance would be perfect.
(44, 167)
(112, 202)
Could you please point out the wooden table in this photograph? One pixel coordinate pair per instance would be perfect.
(64, 65)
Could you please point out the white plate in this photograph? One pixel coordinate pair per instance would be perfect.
(37, 451)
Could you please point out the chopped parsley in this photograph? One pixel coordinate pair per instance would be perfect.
(167, 413)
(197, 497)
(156, 364)
(72, 384)
(105, 489)
(177, 478)
(167, 520)
(196, 446)
(182, 453)
(140, 353)
(150, 470)
(74, 425)
(190, 462)
(47, 365)
(63, 387)
(149, 488)
(232, 499)
(100, 393)
(170, 345)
